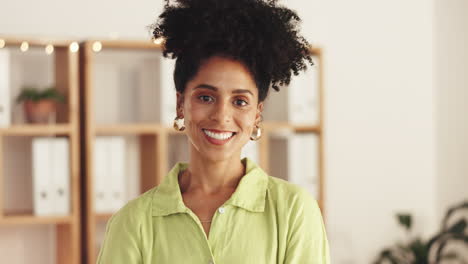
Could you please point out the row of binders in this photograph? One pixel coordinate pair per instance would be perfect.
(51, 176)
(294, 157)
(109, 173)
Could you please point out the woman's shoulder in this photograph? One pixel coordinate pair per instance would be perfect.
(135, 209)
(289, 193)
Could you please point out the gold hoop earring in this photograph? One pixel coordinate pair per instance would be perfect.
(179, 124)
(256, 133)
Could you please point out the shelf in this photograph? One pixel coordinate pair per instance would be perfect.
(29, 219)
(33, 130)
(103, 217)
(125, 44)
(272, 126)
(127, 129)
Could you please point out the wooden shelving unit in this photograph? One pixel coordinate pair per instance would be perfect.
(68, 240)
(76, 237)
(153, 138)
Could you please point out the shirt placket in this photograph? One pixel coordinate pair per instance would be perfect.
(209, 257)
(213, 236)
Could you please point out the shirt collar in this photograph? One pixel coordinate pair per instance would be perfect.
(250, 193)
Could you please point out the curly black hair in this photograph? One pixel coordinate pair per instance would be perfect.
(258, 33)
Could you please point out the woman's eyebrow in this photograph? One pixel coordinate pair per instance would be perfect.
(210, 87)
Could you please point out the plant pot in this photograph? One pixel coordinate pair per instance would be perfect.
(40, 111)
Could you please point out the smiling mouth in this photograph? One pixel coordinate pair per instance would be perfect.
(223, 136)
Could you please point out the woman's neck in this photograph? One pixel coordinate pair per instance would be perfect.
(209, 177)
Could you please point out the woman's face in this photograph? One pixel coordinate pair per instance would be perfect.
(220, 109)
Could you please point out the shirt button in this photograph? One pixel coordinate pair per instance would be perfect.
(221, 210)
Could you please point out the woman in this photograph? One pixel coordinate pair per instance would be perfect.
(218, 208)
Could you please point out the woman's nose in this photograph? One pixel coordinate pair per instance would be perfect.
(222, 112)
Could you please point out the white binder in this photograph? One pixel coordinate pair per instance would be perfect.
(109, 173)
(42, 177)
(303, 97)
(5, 107)
(303, 159)
(116, 168)
(100, 174)
(60, 176)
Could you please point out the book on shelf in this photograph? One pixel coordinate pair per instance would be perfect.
(5, 108)
(109, 173)
(51, 176)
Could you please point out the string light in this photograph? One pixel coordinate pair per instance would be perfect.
(74, 47)
(49, 49)
(97, 46)
(24, 46)
(2, 43)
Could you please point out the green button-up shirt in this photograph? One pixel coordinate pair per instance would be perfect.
(266, 220)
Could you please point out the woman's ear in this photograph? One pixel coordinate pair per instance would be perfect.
(258, 116)
(180, 105)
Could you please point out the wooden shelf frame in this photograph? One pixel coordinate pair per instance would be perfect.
(68, 228)
(152, 138)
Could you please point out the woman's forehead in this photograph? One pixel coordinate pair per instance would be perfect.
(223, 75)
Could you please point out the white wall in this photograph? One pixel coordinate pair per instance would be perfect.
(381, 107)
(451, 64)
(78, 19)
(380, 137)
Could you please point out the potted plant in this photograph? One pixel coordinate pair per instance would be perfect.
(39, 104)
(438, 248)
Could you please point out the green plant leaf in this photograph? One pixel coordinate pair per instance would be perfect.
(35, 94)
(458, 227)
(405, 220)
(449, 256)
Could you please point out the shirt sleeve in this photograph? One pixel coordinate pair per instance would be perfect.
(121, 242)
(307, 239)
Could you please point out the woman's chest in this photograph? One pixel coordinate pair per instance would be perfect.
(235, 236)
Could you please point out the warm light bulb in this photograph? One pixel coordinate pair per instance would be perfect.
(158, 41)
(24, 46)
(49, 49)
(2, 43)
(74, 47)
(97, 46)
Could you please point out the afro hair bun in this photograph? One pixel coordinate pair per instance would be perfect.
(259, 33)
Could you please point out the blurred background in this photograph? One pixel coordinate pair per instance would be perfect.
(395, 122)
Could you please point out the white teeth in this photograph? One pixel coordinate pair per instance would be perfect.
(219, 136)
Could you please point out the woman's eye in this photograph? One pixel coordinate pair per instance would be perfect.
(241, 102)
(206, 98)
